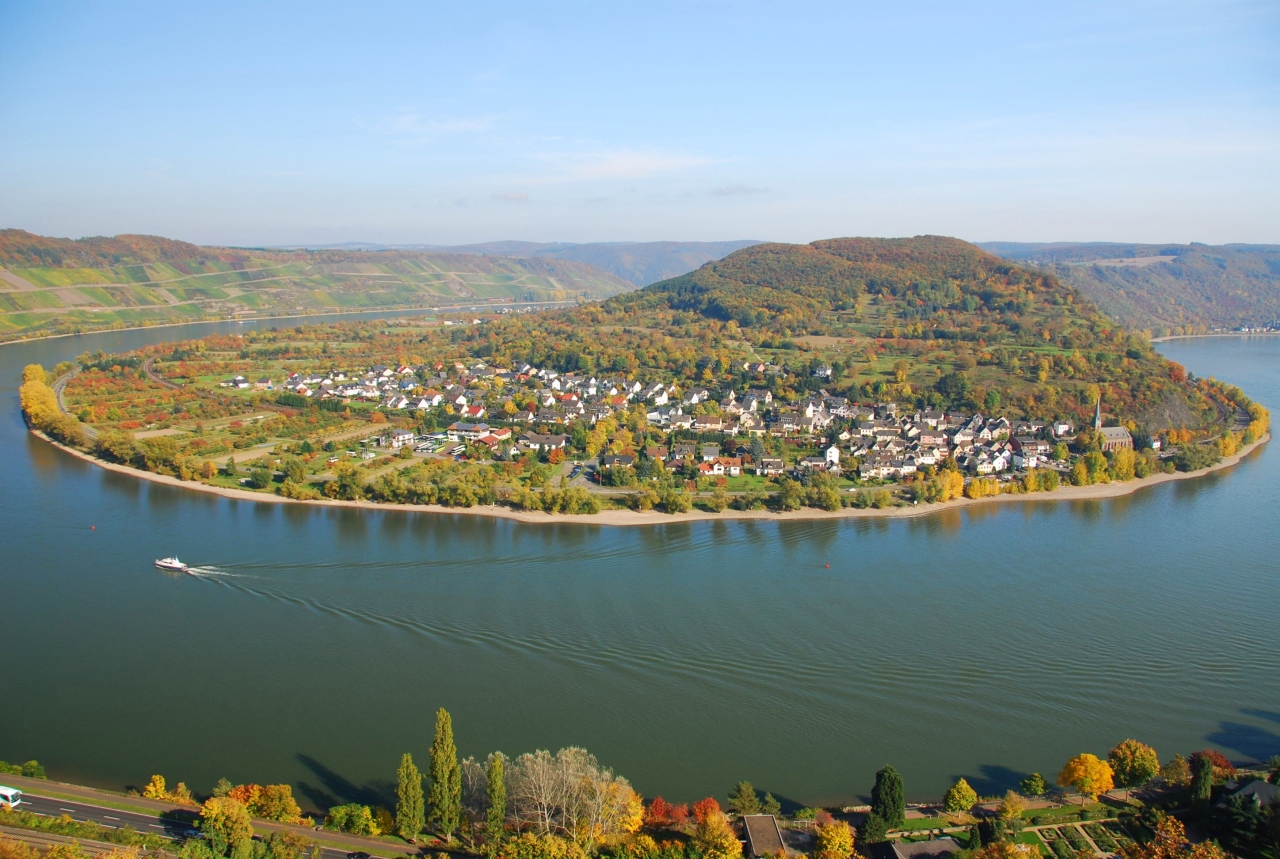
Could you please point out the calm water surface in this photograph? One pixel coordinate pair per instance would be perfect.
(986, 644)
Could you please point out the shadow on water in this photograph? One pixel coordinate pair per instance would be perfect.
(1263, 714)
(995, 780)
(335, 789)
(1255, 743)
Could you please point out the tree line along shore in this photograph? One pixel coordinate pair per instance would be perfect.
(120, 410)
(567, 805)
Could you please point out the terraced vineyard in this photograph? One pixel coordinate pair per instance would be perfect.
(53, 286)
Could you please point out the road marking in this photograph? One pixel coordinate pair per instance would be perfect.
(156, 825)
(109, 817)
(66, 809)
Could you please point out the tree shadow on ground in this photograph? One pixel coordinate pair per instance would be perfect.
(1255, 743)
(334, 789)
(995, 780)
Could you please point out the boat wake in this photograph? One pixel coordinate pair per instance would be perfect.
(214, 572)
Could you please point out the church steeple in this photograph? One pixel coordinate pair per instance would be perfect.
(1097, 414)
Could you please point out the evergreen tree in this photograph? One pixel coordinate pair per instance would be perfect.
(770, 805)
(1033, 785)
(1201, 780)
(410, 812)
(873, 830)
(743, 799)
(445, 796)
(496, 813)
(887, 801)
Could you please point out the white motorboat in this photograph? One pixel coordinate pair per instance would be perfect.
(173, 565)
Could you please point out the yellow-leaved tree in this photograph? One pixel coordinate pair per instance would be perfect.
(835, 841)
(716, 838)
(155, 788)
(226, 826)
(1088, 775)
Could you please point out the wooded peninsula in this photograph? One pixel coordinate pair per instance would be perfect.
(850, 373)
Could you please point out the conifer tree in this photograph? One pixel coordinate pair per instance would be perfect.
(887, 801)
(496, 813)
(445, 795)
(1033, 785)
(743, 799)
(1201, 780)
(410, 812)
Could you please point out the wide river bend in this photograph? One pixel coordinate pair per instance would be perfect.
(318, 643)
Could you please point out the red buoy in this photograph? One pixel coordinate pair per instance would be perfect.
(828, 566)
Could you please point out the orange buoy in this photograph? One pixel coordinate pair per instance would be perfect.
(828, 566)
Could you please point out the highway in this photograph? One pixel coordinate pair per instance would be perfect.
(173, 825)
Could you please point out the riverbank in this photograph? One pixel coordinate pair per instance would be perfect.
(1094, 492)
(1215, 334)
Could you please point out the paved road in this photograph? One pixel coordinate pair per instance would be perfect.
(172, 825)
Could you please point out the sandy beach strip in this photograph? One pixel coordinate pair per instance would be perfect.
(652, 517)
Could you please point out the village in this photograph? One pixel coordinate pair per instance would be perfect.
(482, 411)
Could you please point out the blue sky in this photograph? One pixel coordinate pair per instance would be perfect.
(253, 123)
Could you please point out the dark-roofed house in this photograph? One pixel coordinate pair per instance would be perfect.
(762, 835)
(935, 849)
(1261, 792)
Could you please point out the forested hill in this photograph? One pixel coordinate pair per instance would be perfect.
(54, 286)
(927, 320)
(1169, 288)
(880, 287)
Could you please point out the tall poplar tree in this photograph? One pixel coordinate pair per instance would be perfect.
(410, 811)
(495, 818)
(445, 796)
(886, 798)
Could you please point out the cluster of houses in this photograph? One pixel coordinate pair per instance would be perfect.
(887, 441)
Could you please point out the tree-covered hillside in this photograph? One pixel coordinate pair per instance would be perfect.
(930, 320)
(1166, 289)
(50, 286)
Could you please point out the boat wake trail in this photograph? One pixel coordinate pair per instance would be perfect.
(214, 572)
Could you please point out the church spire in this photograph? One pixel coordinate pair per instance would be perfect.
(1097, 414)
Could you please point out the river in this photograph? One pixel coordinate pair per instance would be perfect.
(317, 646)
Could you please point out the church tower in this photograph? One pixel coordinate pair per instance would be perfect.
(1097, 415)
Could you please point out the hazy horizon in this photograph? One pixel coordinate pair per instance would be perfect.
(279, 124)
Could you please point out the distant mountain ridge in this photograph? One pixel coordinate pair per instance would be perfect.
(639, 263)
(1165, 288)
(53, 285)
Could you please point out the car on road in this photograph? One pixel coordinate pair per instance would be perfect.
(359, 854)
(577, 469)
(193, 833)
